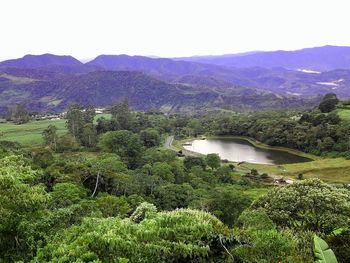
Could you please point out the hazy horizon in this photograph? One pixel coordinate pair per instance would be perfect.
(164, 28)
(85, 60)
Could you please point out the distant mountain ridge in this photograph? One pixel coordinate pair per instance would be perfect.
(50, 82)
(37, 61)
(103, 88)
(318, 58)
(277, 80)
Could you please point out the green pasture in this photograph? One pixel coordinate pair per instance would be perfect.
(30, 133)
(344, 114)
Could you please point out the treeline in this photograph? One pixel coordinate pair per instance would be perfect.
(319, 131)
(109, 192)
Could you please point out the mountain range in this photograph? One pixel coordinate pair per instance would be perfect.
(252, 80)
(324, 58)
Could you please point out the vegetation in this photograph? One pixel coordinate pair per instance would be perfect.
(30, 133)
(323, 253)
(107, 191)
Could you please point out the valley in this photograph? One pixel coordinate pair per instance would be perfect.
(174, 131)
(102, 142)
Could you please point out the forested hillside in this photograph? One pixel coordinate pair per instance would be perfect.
(54, 91)
(109, 191)
(49, 82)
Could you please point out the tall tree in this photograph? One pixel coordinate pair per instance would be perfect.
(89, 114)
(88, 135)
(213, 160)
(328, 103)
(121, 112)
(19, 114)
(150, 137)
(50, 137)
(75, 120)
(124, 143)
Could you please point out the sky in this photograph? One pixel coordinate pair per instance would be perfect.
(87, 28)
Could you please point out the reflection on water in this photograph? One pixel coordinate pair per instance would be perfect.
(239, 150)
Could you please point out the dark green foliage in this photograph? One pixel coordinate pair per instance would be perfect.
(261, 242)
(50, 137)
(328, 103)
(75, 120)
(227, 203)
(88, 136)
(22, 207)
(153, 155)
(254, 172)
(18, 114)
(308, 205)
(150, 137)
(89, 114)
(122, 115)
(311, 131)
(66, 194)
(340, 244)
(224, 174)
(125, 144)
(111, 205)
(172, 196)
(213, 160)
(191, 161)
(67, 143)
(164, 237)
(42, 157)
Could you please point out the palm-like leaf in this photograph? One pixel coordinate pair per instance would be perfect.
(322, 252)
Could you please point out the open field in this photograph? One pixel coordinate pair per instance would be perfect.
(333, 170)
(344, 114)
(30, 133)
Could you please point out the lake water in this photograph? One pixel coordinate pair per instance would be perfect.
(239, 150)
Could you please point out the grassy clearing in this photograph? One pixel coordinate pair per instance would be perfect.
(254, 193)
(333, 170)
(104, 115)
(30, 134)
(344, 114)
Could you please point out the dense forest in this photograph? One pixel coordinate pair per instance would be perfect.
(319, 131)
(108, 191)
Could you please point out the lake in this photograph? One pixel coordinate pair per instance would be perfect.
(239, 150)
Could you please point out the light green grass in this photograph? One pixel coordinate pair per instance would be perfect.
(254, 193)
(332, 170)
(344, 114)
(104, 115)
(30, 134)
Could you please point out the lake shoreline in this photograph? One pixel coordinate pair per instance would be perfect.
(262, 145)
(253, 142)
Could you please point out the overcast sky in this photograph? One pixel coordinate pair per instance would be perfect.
(87, 28)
